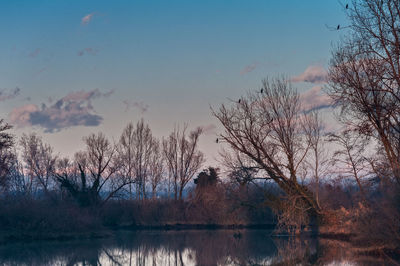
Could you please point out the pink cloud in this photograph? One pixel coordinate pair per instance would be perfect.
(86, 19)
(315, 98)
(249, 68)
(74, 109)
(313, 74)
(20, 116)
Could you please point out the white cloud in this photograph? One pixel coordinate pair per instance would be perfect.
(313, 74)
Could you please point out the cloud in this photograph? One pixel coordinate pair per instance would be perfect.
(313, 74)
(141, 106)
(86, 19)
(6, 94)
(315, 98)
(249, 68)
(88, 50)
(21, 115)
(74, 109)
(34, 53)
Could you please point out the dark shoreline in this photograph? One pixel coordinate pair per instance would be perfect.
(11, 236)
(178, 227)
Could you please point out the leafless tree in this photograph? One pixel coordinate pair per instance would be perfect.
(136, 150)
(350, 157)
(365, 75)
(157, 168)
(125, 150)
(6, 139)
(317, 159)
(92, 179)
(240, 169)
(7, 156)
(39, 160)
(18, 182)
(7, 161)
(182, 157)
(267, 127)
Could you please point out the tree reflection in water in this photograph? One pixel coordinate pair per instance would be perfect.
(219, 247)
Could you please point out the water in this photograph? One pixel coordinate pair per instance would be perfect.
(201, 247)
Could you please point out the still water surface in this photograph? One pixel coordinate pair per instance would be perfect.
(201, 247)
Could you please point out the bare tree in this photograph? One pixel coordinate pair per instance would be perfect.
(7, 156)
(39, 161)
(156, 171)
(365, 75)
(350, 157)
(92, 179)
(18, 182)
(125, 150)
(9, 168)
(267, 128)
(182, 157)
(136, 150)
(317, 159)
(240, 169)
(6, 139)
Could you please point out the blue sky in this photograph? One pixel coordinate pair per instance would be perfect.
(112, 62)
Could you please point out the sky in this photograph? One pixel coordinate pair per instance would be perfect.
(71, 68)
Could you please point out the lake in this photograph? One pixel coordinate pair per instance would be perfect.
(190, 247)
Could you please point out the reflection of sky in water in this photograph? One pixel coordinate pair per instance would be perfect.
(341, 263)
(153, 257)
(184, 248)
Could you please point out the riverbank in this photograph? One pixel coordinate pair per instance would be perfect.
(106, 232)
(179, 226)
(7, 237)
